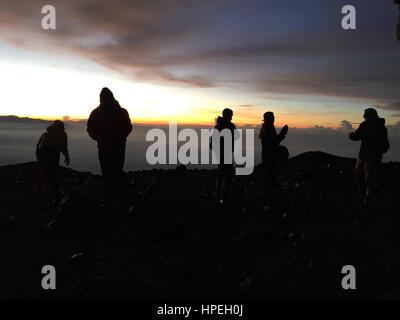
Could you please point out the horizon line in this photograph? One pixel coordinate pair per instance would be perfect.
(156, 122)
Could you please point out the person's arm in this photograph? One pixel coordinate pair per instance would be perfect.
(66, 156)
(236, 134)
(64, 149)
(282, 134)
(358, 134)
(38, 145)
(261, 135)
(92, 126)
(127, 124)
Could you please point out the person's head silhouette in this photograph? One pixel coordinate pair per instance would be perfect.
(269, 118)
(370, 114)
(106, 97)
(59, 125)
(227, 114)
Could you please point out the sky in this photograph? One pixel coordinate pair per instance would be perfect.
(186, 60)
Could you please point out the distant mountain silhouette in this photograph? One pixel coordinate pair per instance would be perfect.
(17, 119)
(312, 159)
(12, 118)
(315, 156)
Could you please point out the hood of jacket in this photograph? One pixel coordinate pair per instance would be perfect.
(55, 129)
(110, 106)
(222, 123)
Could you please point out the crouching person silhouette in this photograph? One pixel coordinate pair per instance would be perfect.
(51, 143)
(373, 135)
(272, 153)
(110, 125)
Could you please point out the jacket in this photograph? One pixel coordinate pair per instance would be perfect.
(109, 125)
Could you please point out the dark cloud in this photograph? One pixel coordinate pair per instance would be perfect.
(247, 106)
(272, 46)
(389, 105)
(128, 36)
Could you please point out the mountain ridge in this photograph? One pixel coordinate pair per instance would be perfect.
(169, 238)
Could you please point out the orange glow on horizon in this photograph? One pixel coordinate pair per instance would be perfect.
(52, 93)
(207, 121)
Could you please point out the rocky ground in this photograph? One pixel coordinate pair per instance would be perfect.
(170, 239)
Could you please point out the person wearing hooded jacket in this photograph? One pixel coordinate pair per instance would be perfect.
(51, 143)
(109, 124)
(373, 135)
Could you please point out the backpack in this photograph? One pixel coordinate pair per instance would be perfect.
(283, 154)
(385, 145)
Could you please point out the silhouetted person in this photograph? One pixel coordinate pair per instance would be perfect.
(51, 143)
(374, 143)
(110, 125)
(225, 170)
(271, 151)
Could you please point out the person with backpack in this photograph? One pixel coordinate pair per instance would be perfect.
(51, 143)
(373, 135)
(272, 152)
(110, 125)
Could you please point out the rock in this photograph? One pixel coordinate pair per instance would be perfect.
(77, 262)
(246, 284)
(7, 222)
(170, 228)
(132, 210)
(266, 236)
(77, 256)
(76, 205)
(52, 225)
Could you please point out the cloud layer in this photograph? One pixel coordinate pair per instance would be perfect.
(291, 47)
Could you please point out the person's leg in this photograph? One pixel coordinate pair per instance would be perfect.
(227, 180)
(106, 171)
(218, 188)
(265, 182)
(359, 175)
(40, 187)
(47, 171)
(54, 162)
(371, 178)
(270, 173)
(118, 170)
